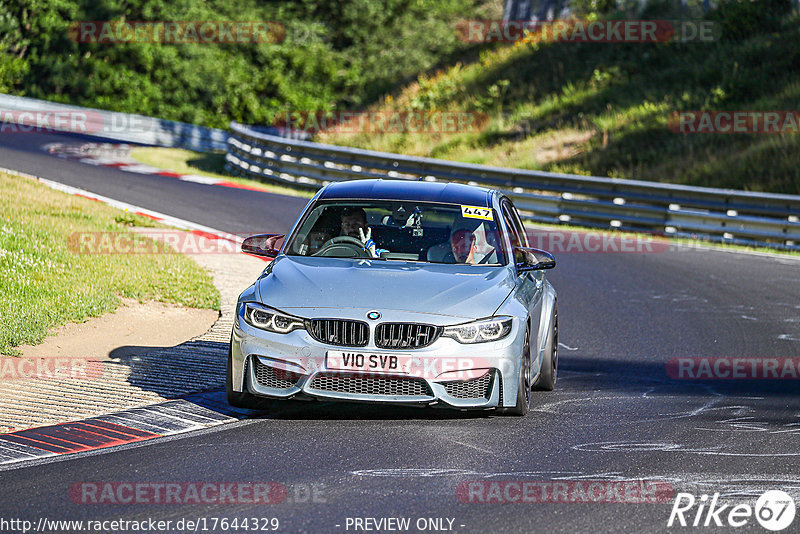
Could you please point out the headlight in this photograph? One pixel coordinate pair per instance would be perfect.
(270, 320)
(480, 331)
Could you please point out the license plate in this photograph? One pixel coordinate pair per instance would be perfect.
(368, 361)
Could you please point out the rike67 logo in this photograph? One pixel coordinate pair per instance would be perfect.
(774, 510)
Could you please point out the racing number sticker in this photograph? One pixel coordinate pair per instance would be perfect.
(476, 212)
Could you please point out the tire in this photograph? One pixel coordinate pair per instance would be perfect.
(240, 399)
(549, 373)
(524, 383)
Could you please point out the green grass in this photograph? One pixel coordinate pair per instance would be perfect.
(603, 109)
(212, 165)
(43, 284)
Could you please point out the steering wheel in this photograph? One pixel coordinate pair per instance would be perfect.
(343, 246)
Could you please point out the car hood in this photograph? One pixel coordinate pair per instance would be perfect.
(461, 291)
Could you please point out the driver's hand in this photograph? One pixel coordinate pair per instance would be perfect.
(366, 240)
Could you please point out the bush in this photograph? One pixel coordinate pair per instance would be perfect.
(336, 54)
(742, 18)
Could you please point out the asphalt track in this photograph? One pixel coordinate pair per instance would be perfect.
(616, 413)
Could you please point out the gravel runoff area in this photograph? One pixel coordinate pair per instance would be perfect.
(135, 377)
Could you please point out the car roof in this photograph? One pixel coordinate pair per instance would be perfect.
(422, 191)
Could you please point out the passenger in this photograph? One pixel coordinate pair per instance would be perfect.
(460, 248)
(317, 238)
(462, 244)
(491, 248)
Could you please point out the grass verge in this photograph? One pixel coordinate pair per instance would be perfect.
(212, 165)
(43, 284)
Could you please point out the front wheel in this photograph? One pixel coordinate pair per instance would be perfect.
(549, 374)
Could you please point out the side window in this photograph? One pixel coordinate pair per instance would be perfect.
(513, 230)
(523, 236)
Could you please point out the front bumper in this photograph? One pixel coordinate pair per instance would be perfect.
(449, 373)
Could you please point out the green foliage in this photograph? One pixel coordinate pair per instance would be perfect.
(743, 18)
(342, 54)
(584, 8)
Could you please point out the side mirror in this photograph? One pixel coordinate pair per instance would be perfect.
(532, 259)
(262, 244)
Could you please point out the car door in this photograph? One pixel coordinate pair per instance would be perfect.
(529, 285)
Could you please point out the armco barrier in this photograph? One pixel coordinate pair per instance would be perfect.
(727, 215)
(280, 156)
(20, 113)
(26, 114)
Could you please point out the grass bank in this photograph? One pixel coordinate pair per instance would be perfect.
(43, 284)
(604, 109)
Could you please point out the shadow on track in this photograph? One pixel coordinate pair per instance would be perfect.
(620, 376)
(195, 371)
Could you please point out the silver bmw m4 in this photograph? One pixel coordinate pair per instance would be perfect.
(391, 291)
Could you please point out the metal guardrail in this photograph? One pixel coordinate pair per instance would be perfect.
(28, 113)
(283, 156)
(727, 215)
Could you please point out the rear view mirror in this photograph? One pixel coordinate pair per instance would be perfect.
(532, 259)
(262, 245)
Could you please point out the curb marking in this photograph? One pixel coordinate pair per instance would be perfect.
(194, 412)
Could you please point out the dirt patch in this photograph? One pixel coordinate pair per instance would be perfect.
(133, 328)
(562, 145)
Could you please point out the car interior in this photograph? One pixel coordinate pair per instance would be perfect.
(408, 233)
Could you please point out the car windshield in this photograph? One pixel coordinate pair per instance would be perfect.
(400, 230)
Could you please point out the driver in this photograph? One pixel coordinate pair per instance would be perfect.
(354, 224)
(353, 221)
